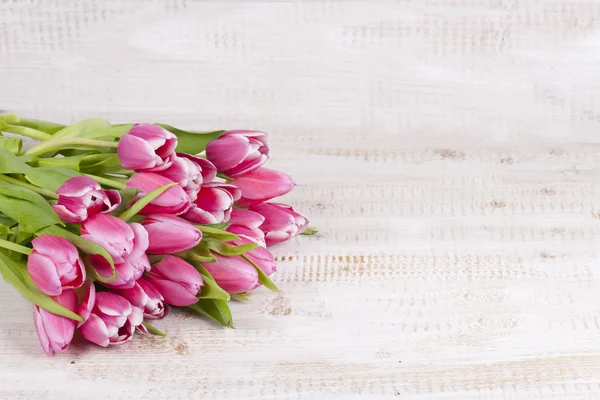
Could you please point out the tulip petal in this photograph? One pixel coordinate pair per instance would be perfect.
(262, 184)
(87, 302)
(95, 330)
(112, 304)
(227, 151)
(140, 241)
(172, 292)
(233, 274)
(247, 218)
(135, 153)
(43, 273)
(41, 331)
(111, 201)
(57, 248)
(78, 186)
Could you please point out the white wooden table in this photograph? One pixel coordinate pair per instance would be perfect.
(449, 151)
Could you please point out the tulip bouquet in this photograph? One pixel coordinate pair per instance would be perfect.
(104, 227)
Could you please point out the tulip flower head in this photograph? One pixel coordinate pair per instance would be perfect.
(147, 147)
(239, 151)
(81, 197)
(54, 331)
(54, 265)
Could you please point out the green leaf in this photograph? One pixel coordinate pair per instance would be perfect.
(44, 126)
(240, 296)
(8, 245)
(153, 330)
(144, 201)
(83, 129)
(30, 216)
(102, 163)
(192, 142)
(84, 245)
(72, 163)
(262, 277)
(22, 193)
(127, 197)
(210, 289)
(11, 164)
(217, 233)
(200, 253)
(6, 221)
(217, 310)
(227, 250)
(50, 178)
(311, 230)
(4, 230)
(12, 144)
(15, 273)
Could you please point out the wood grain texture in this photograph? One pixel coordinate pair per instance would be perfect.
(447, 149)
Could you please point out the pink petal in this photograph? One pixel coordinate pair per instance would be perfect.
(95, 330)
(262, 184)
(43, 273)
(227, 151)
(233, 274)
(272, 238)
(41, 331)
(178, 270)
(172, 292)
(247, 218)
(87, 302)
(111, 201)
(57, 248)
(140, 241)
(78, 186)
(112, 304)
(135, 153)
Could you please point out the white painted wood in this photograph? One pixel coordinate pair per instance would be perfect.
(448, 150)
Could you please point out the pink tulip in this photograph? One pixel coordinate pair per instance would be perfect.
(88, 299)
(246, 223)
(262, 184)
(281, 222)
(169, 234)
(55, 265)
(130, 259)
(174, 200)
(112, 320)
(115, 236)
(56, 332)
(177, 281)
(260, 256)
(239, 151)
(214, 204)
(80, 197)
(147, 147)
(233, 274)
(145, 296)
(190, 172)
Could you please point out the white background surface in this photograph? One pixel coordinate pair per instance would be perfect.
(448, 150)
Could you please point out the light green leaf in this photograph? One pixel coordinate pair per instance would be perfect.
(44, 126)
(240, 296)
(6, 221)
(15, 273)
(72, 163)
(216, 233)
(11, 164)
(101, 164)
(84, 245)
(127, 196)
(50, 178)
(192, 142)
(4, 230)
(83, 129)
(200, 253)
(12, 144)
(144, 201)
(30, 216)
(227, 250)
(210, 289)
(311, 230)
(262, 277)
(153, 330)
(22, 193)
(217, 310)
(12, 246)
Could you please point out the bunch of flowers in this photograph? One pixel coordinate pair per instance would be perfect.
(106, 227)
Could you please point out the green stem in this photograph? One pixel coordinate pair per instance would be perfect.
(56, 144)
(16, 182)
(107, 182)
(14, 247)
(25, 131)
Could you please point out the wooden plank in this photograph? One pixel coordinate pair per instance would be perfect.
(448, 151)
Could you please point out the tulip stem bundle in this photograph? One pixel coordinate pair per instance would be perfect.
(107, 227)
